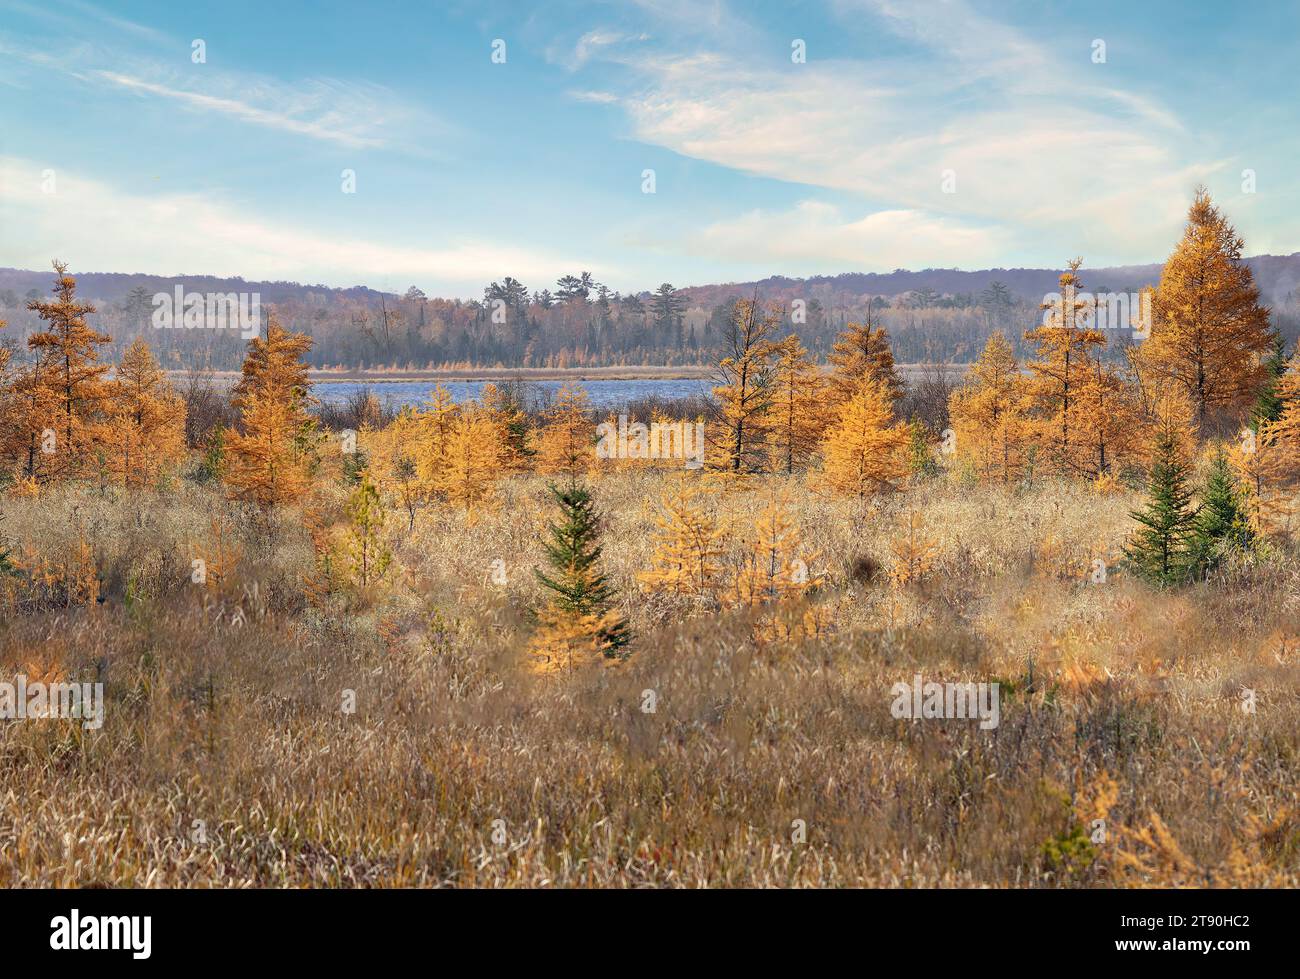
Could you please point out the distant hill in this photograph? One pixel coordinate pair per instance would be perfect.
(931, 315)
(115, 285)
(1278, 277)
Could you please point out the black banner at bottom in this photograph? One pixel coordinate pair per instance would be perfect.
(944, 929)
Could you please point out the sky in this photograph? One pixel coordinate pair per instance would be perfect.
(496, 138)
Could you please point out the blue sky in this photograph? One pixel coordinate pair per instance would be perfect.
(469, 170)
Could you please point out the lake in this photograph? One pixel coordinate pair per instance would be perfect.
(603, 393)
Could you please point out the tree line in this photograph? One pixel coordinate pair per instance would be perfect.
(1213, 389)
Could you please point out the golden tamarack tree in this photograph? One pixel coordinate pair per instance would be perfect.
(1209, 333)
(1269, 465)
(65, 389)
(864, 452)
(744, 388)
(504, 407)
(771, 567)
(1060, 372)
(391, 452)
(992, 429)
(1285, 430)
(1266, 459)
(688, 544)
(913, 552)
(797, 415)
(564, 444)
(12, 430)
(271, 456)
(1112, 413)
(368, 551)
(473, 461)
(862, 352)
(64, 418)
(774, 579)
(435, 426)
(144, 435)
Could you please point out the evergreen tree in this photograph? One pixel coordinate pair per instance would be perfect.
(1269, 402)
(1161, 551)
(579, 611)
(1222, 523)
(920, 462)
(367, 546)
(667, 306)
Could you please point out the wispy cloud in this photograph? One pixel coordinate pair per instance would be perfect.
(124, 24)
(589, 45)
(1025, 138)
(69, 13)
(137, 233)
(805, 239)
(333, 125)
(347, 113)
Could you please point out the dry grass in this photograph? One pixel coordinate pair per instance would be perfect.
(1118, 703)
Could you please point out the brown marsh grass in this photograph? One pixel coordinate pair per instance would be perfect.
(227, 759)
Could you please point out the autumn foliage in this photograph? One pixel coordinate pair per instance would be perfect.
(534, 621)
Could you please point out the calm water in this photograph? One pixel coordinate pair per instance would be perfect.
(603, 394)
